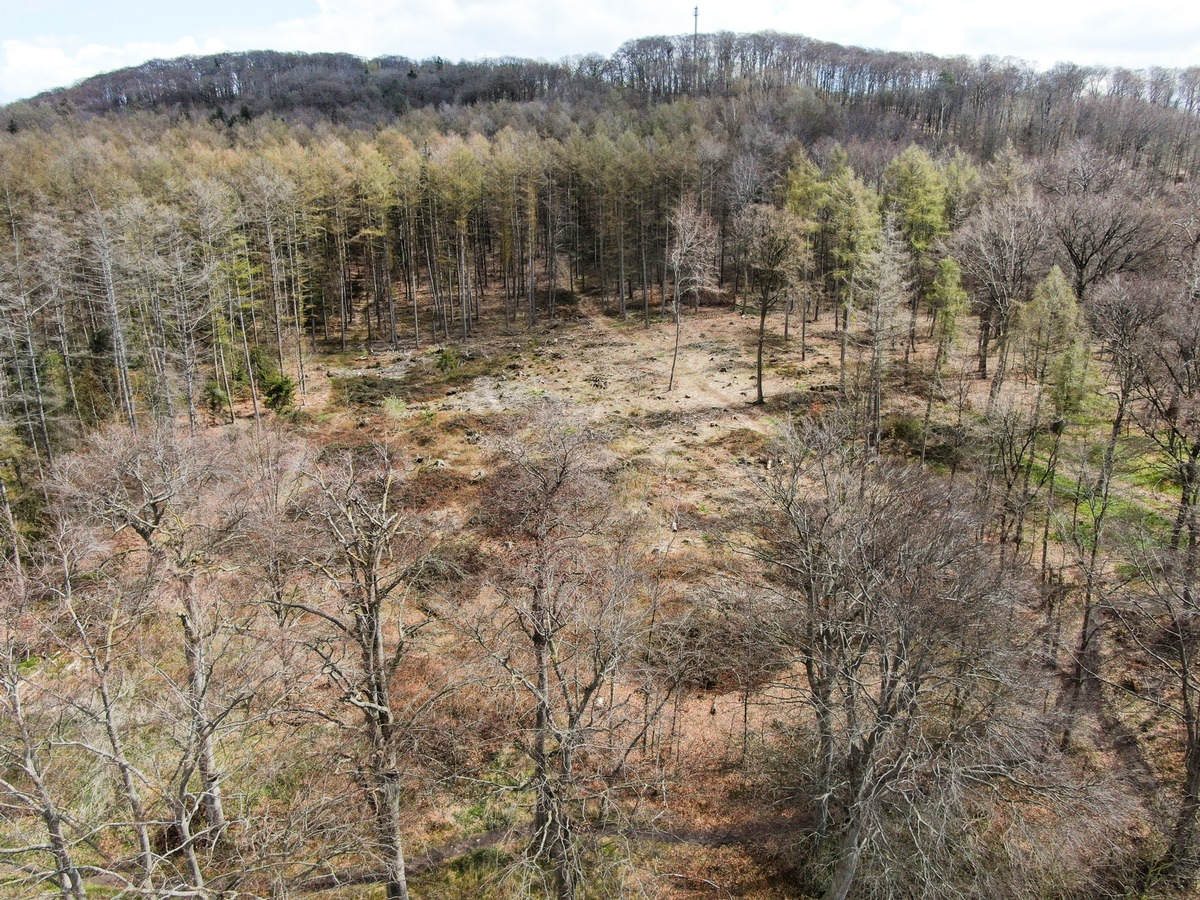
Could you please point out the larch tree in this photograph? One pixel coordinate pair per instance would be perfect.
(773, 244)
(886, 291)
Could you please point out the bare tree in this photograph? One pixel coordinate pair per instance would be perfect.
(1102, 216)
(374, 558)
(568, 635)
(908, 659)
(1002, 251)
(692, 258)
(1169, 393)
(1120, 313)
(183, 500)
(1157, 609)
(27, 744)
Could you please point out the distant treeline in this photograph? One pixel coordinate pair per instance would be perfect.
(978, 104)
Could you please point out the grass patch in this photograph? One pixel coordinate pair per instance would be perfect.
(743, 442)
(366, 390)
(434, 376)
(477, 875)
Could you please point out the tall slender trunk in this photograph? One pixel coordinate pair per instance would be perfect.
(249, 363)
(116, 744)
(67, 876)
(621, 262)
(675, 354)
(104, 250)
(552, 839)
(1181, 863)
(762, 336)
(202, 725)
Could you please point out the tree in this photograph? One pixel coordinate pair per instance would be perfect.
(569, 636)
(915, 189)
(948, 301)
(851, 232)
(1001, 251)
(772, 242)
(1168, 389)
(374, 557)
(691, 255)
(140, 575)
(911, 664)
(1119, 314)
(886, 286)
(1156, 607)
(1103, 219)
(1052, 338)
(181, 498)
(27, 744)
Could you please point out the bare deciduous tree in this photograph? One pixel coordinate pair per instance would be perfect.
(1002, 251)
(374, 557)
(692, 258)
(568, 634)
(908, 659)
(1158, 611)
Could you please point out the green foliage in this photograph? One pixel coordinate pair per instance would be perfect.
(476, 875)
(486, 860)
(262, 364)
(214, 398)
(366, 390)
(448, 361)
(1053, 340)
(395, 408)
(915, 188)
(906, 429)
(949, 302)
(962, 187)
(277, 388)
(853, 225)
(279, 392)
(805, 190)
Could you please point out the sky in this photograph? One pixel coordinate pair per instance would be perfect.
(54, 43)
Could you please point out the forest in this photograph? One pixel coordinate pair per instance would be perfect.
(742, 466)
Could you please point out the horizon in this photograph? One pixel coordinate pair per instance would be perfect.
(56, 44)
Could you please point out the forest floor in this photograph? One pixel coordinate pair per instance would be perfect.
(694, 442)
(688, 459)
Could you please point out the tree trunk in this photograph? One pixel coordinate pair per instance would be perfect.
(675, 355)
(762, 334)
(1182, 861)
(198, 675)
(849, 854)
(390, 844)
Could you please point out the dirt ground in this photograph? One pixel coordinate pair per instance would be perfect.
(689, 457)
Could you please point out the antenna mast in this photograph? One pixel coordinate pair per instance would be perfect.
(695, 57)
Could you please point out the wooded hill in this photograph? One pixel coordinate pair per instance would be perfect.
(770, 471)
(975, 104)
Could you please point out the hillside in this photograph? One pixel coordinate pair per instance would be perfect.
(976, 104)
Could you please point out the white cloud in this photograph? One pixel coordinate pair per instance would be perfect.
(472, 28)
(29, 67)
